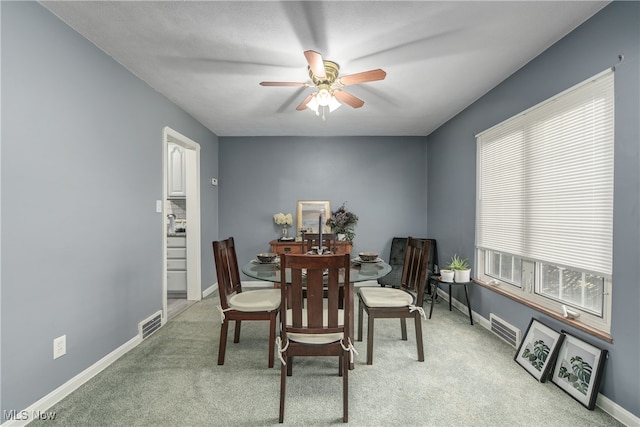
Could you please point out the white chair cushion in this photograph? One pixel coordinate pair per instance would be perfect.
(314, 338)
(258, 300)
(385, 297)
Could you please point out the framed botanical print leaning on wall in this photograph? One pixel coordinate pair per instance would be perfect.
(538, 349)
(578, 369)
(309, 212)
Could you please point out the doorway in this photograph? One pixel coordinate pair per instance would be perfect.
(191, 205)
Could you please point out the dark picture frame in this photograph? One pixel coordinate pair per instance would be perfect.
(538, 349)
(578, 369)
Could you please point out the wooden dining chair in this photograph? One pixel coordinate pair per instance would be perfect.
(317, 326)
(239, 305)
(309, 240)
(404, 302)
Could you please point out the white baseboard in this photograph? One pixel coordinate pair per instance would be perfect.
(211, 289)
(264, 284)
(617, 411)
(257, 284)
(42, 405)
(603, 402)
(245, 284)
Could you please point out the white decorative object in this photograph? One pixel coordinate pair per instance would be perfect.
(462, 276)
(446, 276)
(285, 221)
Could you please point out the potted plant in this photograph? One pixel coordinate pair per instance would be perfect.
(342, 222)
(460, 267)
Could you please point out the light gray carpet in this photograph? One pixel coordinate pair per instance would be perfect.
(468, 378)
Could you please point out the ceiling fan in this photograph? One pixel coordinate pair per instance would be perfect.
(324, 76)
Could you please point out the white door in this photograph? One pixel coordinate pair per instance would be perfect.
(191, 151)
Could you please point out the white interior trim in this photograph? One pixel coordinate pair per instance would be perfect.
(42, 405)
(211, 289)
(194, 255)
(603, 402)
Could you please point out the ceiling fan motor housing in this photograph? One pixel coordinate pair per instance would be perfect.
(330, 92)
(331, 70)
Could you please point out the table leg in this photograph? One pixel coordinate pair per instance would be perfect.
(450, 297)
(434, 292)
(466, 294)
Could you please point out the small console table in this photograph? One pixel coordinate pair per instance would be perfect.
(292, 247)
(434, 280)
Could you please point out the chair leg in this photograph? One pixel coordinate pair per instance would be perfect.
(345, 388)
(272, 338)
(419, 337)
(236, 334)
(403, 328)
(283, 388)
(222, 347)
(370, 340)
(289, 366)
(360, 320)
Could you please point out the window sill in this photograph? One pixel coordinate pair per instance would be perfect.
(589, 330)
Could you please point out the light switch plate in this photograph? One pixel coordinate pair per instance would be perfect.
(59, 346)
(159, 206)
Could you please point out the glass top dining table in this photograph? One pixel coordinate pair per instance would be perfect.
(359, 272)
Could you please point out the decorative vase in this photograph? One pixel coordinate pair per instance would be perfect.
(446, 276)
(462, 276)
(285, 232)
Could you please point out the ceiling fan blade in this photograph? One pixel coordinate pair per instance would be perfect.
(282, 84)
(348, 99)
(366, 76)
(315, 63)
(303, 104)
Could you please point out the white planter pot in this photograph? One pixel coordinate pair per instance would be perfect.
(446, 276)
(462, 276)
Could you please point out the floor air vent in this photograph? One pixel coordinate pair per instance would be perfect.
(150, 325)
(508, 333)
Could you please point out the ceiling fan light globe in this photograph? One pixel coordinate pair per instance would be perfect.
(334, 104)
(324, 97)
(313, 104)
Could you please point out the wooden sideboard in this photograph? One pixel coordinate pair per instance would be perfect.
(278, 247)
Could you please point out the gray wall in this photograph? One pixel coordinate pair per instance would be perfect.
(382, 179)
(81, 151)
(588, 50)
(81, 170)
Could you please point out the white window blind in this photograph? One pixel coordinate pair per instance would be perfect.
(545, 187)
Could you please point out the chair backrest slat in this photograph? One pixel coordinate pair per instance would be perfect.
(227, 271)
(309, 240)
(317, 275)
(414, 271)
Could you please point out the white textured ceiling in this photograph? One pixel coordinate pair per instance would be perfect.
(209, 57)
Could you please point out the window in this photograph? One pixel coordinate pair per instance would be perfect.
(544, 207)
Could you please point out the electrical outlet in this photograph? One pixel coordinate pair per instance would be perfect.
(59, 346)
